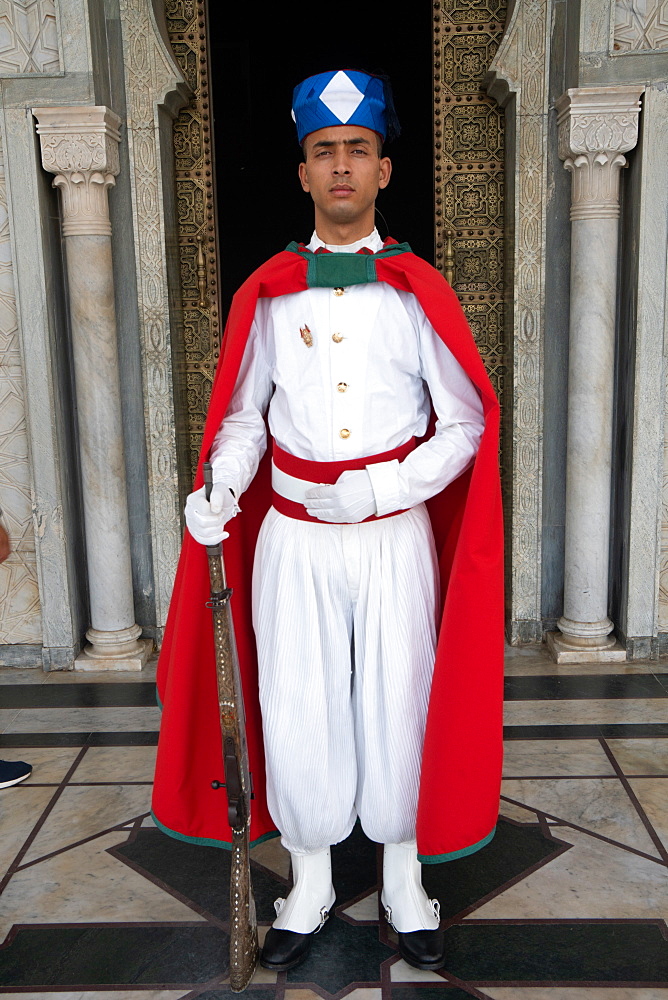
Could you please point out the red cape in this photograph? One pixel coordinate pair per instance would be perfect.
(461, 764)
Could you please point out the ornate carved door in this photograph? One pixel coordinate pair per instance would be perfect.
(468, 160)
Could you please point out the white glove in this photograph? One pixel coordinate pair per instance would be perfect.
(350, 500)
(206, 520)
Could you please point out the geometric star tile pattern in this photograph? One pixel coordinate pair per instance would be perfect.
(641, 25)
(28, 37)
(567, 902)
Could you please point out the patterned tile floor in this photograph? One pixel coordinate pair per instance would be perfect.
(568, 902)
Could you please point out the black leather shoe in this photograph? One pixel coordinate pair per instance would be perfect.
(423, 949)
(284, 949)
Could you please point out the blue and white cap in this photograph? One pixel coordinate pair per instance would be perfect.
(343, 97)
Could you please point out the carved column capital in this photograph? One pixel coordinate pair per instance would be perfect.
(80, 146)
(596, 127)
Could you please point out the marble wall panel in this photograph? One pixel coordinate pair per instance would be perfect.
(647, 605)
(663, 558)
(20, 618)
(518, 80)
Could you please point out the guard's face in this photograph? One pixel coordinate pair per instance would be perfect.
(343, 171)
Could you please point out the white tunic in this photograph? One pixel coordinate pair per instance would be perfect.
(362, 388)
(344, 739)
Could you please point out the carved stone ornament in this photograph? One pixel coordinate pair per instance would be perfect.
(80, 146)
(595, 128)
(521, 68)
(155, 86)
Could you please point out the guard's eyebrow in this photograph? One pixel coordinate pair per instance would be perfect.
(346, 142)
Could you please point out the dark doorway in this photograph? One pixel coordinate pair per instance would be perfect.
(259, 52)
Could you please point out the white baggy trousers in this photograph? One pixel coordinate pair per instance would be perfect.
(343, 730)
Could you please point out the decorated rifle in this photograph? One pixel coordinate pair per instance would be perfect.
(244, 950)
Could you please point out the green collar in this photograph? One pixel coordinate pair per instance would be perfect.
(338, 270)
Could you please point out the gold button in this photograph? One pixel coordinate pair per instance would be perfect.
(337, 338)
(344, 432)
(339, 291)
(342, 387)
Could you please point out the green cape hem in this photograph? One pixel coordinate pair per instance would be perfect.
(208, 841)
(437, 859)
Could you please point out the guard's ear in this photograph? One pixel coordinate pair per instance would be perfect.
(303, 176)
(385, 172)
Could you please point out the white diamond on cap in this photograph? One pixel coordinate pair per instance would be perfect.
(342, 97)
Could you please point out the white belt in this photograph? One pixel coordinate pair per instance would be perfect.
(289, 486)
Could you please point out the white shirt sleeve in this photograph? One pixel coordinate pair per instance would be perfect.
(459, 426)
(241, 439)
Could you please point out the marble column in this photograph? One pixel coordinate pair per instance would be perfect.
(80, 146)
(596, 127)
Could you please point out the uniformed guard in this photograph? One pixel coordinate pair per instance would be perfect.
(380, 517)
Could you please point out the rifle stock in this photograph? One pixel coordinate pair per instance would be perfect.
(244, 950)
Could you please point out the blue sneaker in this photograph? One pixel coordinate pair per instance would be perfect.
(13, 771)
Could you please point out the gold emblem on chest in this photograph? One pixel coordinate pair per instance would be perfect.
(306, 335)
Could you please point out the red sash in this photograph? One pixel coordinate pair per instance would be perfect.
(327, 473)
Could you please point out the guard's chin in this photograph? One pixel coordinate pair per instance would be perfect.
(344, 213)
